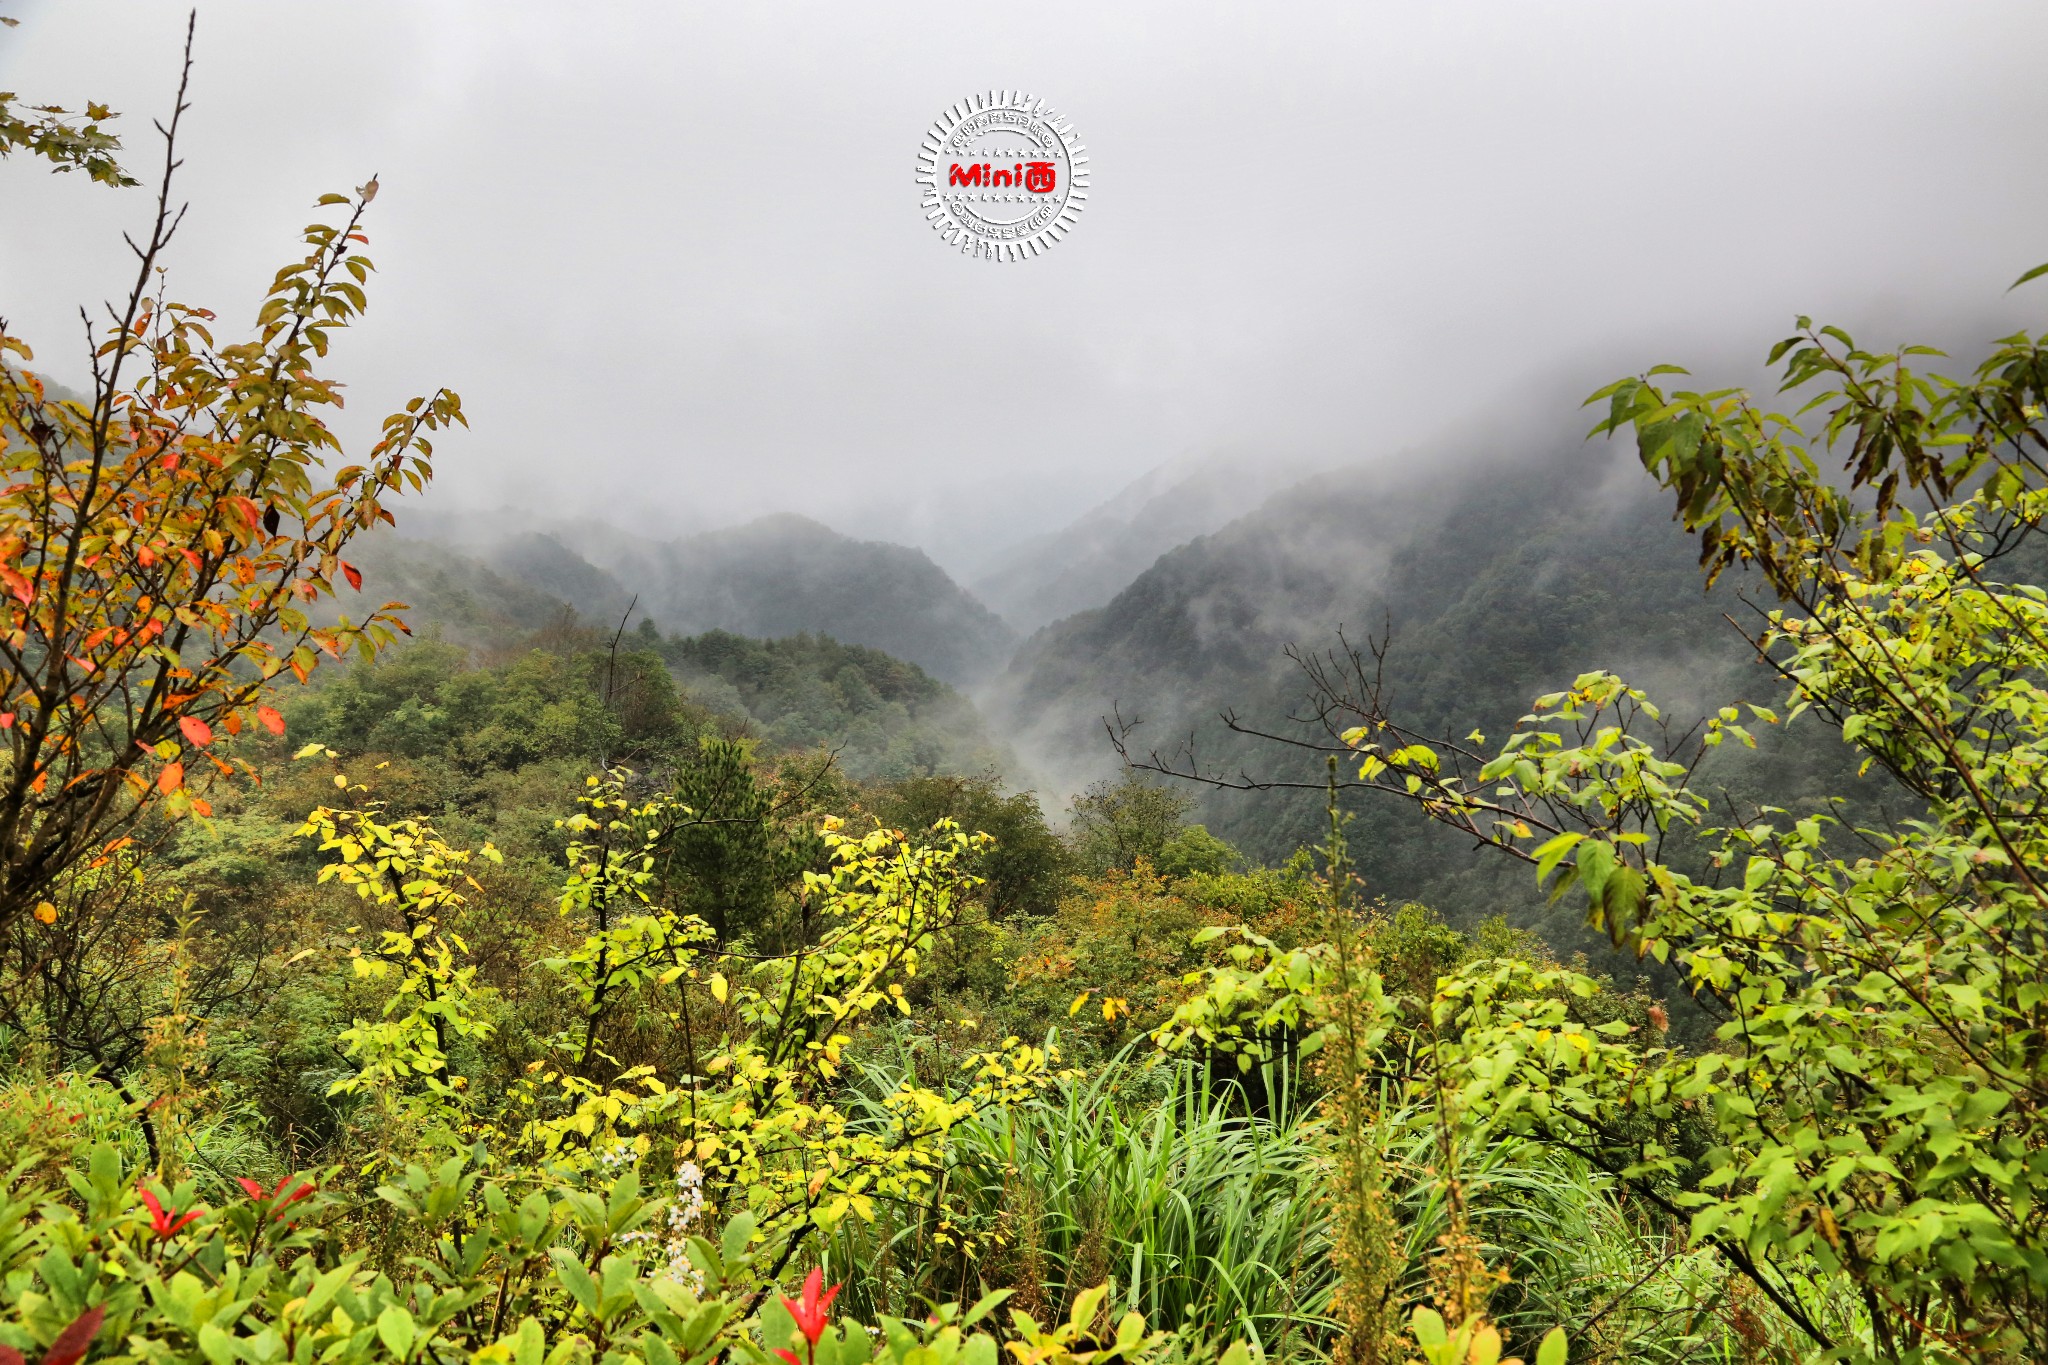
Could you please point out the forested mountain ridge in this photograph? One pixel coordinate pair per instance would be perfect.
(1507, 586)
(530, 604)
(885, 717)
(787, 575)
(774, 577)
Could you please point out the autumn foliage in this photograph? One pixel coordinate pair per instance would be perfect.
(163, 539)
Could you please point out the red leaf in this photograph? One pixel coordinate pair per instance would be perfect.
(71, 1343)
(6, 720)
(352, 574)
(17, 585)
(255, 1190)
(171, 778)
(195, 730)
(10, 1356)
(271, 720)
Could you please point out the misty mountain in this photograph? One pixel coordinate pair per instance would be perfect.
(788, 575)
(1495, 589)
(772, 578)
(883, 716)
(1085, 563)
(448, 593)
(542, 562)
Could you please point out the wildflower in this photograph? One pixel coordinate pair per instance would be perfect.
(282, 1200)
(810, 1314)
(167, 1224)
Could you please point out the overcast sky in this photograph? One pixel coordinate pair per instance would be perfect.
(672, 256)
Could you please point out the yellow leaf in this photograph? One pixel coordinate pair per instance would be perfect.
(46, 912)
(1079, 1001)
(718, 987)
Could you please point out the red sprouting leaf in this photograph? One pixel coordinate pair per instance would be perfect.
(270, 719)
(195, 730)
(352, 574)
(70, 1346)
(810, 1314)
(171, 778)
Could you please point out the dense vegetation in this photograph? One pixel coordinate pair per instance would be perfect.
(564, 998)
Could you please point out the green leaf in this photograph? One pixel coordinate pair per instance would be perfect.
(2036, 273)
(396, 1330)
(1552, 1351)
(576, 1280)
(1552, 852)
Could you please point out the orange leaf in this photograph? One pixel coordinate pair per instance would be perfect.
(202, 805)
(352, 574)
(6, 720)
(171, 778)
(272, 721)
(195, 730)
(234, 722)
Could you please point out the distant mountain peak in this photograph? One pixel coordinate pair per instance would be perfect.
(778, 575)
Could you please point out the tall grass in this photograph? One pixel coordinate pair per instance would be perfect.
(1206, 1220)
(1217, 1224)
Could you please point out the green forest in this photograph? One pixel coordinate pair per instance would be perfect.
(417, 955)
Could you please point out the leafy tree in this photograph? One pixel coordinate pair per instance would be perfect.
(1877, 1112)
(160, 539)
(1195, 850)
(736, 862)
(1024, 872)
(1117, 823)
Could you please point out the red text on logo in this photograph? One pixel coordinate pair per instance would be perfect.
(1040, 177)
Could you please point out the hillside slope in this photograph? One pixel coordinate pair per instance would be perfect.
(788, 575)
(779, 576)
(1083, 565)
(1495, 591)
